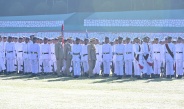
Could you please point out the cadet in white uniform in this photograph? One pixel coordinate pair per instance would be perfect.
(114, 57)
(128, 57)
(34, 56)
(26, 57)
(46, 56)
(118, 57)
(179, 54)
(157, 57)
(10, 55)
(169, 51)
(2, 56)
(53, 56)
(107, 57)
(84, 57)
(98, 47)
(147, 61)
(40, 67)
(76, 54)
(138, 58)
(19, 52)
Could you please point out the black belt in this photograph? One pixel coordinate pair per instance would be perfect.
(168, 52)
(106, 53)
(97, 53)
(20, 51)
(34, 53)
(85, 54)
(128, 52)
(45, 53)
(119, 53)
(26, 52)
(9, 51)
(179, 52)
(76, 53)
(156, 52)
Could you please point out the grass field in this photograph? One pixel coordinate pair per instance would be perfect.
(49, 92)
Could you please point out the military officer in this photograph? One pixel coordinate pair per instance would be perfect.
(59, 52)
(91, 57)
(68, 56)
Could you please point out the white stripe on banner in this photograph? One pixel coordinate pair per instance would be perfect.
(137, 23)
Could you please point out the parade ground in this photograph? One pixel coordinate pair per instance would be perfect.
(51, 92)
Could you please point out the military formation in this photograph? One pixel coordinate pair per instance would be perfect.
(123, 57)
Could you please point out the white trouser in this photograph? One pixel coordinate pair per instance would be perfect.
(2, 64)
(119, 68)
(96, 70)
(157, 66)
(20, 63)
(34, 64)
(85, 66)
(179, 67)
(76, 68)
(10, 65)
(169, 68)
(27, 66)
(53, 66)
(137, 70)
(147, 68)
(40, 65)
(106, 66)
(128, 67)
(46, 65)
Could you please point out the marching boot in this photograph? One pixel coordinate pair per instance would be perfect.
(179, 77)
(119, 77)
(167, 76)
(138, 77)
(153, 75)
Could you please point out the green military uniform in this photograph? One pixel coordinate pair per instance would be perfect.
(91, 58)
(68, 58)
(59, 52)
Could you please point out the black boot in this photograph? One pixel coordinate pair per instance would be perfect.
(119, 77)
(153, 75)
(179, 77)
(168, 76)
(172, 76)
(138, 77)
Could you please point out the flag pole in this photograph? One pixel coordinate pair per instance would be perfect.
(62, 33)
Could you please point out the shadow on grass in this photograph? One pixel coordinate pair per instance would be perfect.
(158, 80)
(114, 80)
(54, 78)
